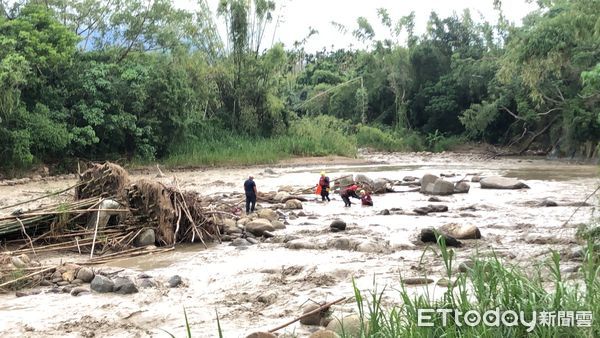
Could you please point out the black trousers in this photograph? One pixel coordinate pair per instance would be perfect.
(250, 203)
(324, 193)
(346, 201)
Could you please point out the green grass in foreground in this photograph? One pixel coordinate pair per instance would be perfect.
(491, 284)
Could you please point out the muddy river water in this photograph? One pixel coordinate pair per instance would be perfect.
(262, 286)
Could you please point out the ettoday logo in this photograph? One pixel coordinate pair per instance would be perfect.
(497, 318)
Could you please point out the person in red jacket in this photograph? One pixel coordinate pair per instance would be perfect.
(348, 192)
(365, 198)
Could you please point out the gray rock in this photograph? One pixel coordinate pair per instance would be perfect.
(409, 178)
(462, 187)
(426, 181)
(239, 242)
(498, 182)
(349, 326)
(293, 204)
(277, 225)
(422, 210)
(442, 187)
(45, 282)
(147, 283)
(363, 179)
(475, 179)
(428, 236)
(314, 319)
(56, 280)
(466, 266)
(437, 208)
(102, 284)
(143, 275)
(18, 263)
(461, 231)
(340, 243)
(63, 283)
(417, 281)
(252, 240)
(175, 281)
(145, 238)
(103, 216)
(384, 212)
(434, 199)
(67, 289)
(76, 282)
(281, 196)
(257, 227)
(124, 286)
(444, 282)
(299, 244)
(269, 214)
(78, 291)
(85, 274)
(570, 269)
(548, 203)
(337, 225)
(381, 186)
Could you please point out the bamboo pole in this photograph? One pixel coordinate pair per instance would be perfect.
(26, 276)
(321, 308)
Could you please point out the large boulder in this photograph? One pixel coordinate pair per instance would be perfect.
(337, 225)
(269, 214)
(124, 286)
(461, 231)
(313, 319)
(462, 187)
(363, 179)
(85, 274)
(426, 181)
(293, 204)
(498, 182)
(102, 284)
(381, 185)
(428, 236)
(277, 225)
(442, 187)
(102, 217)
(229, 223)
(258, 226)
(281, 196)
(349, 326)
(145, 238)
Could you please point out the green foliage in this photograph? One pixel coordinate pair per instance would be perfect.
(139, 80)
(488, 285)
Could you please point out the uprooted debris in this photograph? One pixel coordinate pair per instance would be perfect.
(106, 217)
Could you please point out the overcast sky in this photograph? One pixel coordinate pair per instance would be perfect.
(296, 16)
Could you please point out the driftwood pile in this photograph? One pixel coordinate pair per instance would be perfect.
(83, 224)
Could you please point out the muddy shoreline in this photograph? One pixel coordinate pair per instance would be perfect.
(258, 287)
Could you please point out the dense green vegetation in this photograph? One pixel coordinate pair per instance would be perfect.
(142, 80)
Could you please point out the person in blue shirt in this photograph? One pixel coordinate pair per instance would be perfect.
(250, 190)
